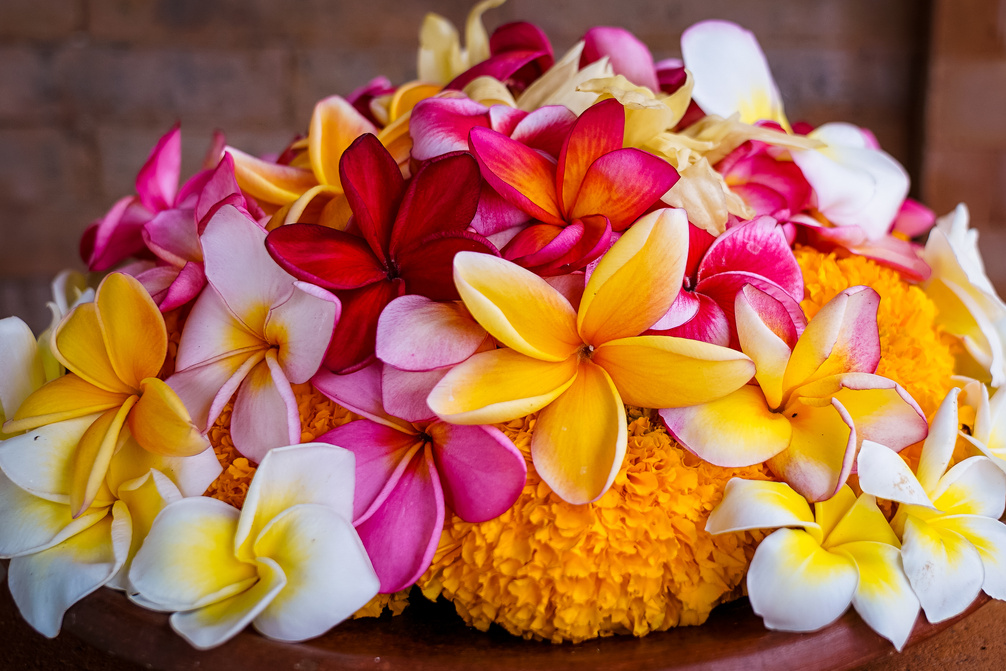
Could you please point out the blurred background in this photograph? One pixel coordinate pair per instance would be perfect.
(87, 87)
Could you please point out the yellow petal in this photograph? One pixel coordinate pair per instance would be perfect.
(580, 438)
(516, 306)
(66, 397)
(161, 424)
(334, 125)
(94, 453)
(637, 280)
(269, 182)
(666, 372)
(862, 522)
(78, 344)
(132, 329)
(407, 95)
(821, 453)
(498, 386)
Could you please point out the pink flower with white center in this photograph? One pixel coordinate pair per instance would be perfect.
(254, 331)
(407, 472)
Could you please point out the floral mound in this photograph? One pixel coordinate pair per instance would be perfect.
(638, 560)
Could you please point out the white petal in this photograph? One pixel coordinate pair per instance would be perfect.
(41, 461)
(212, 331)
(885, 474)
(265, 411)
(191, 475)
(989, 538)
(300, 328)
(758, 504)
(20, 366)
(796, 585)
(29, 524)
(944, 568)
(884, 597)
(939, 445)
(308, 473)
(975, 486)
(329, 575)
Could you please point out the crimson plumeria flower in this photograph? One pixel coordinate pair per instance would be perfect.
(402, 240)
(596, 188)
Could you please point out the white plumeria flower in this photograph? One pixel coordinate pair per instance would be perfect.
(969, 307)
(856, 183)
(57, 559)
(804, 578)
(289, 562)
(953, 544)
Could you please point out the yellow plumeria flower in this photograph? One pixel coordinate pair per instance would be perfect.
(804, 578)
(113, 349)
(578, 366)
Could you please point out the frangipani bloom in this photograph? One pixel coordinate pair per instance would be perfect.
(113, 349)
(969, 307)
(254, 330)
(576, 204)
(58, 558)
(953, 544)
(816, 399)
(842, 552)
(408, 233)
(406, 473)
(577, 367)
(288, 562)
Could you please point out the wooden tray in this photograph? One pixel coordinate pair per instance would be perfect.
(431, 636)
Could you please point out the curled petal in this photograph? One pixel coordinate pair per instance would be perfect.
(157, 181)
(883, 473)
(822, 451)
(761, 504)
(270, 182)
(161, 424)
(94, 453)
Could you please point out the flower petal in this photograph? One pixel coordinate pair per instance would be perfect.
(988, 535)
(324, 256)
(516, 306)
(334, 125)
(270, 182)
(21, 370)
(30, 524)
(94, 452)
(265, 411)
(628, 55)
(884, 597)
(426, 268)
(759, 247)
(975, 486)
(441, 125)
(760, 341)
(665, 372)
(157, 181)
(405, 392)
(374, 188)
(39, 461)
(329, 576)
(300, 330)
(352, 344)
(191, 475)
(415, 333)
(622, 185)
(207, 387)
(67, 397)
(481, 471)
(580, 438)
(796, 585)
(938, 449)
(498, 386)
(78, 345)
(597, 131)
(760, 504)
(212, 332)
(944, 568)
(884, 474)
(161, 424)
(736, 430)
(822, 451)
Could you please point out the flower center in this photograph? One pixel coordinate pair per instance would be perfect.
(586, 352)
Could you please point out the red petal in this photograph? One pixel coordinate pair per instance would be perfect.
(428, 267)
(374, 187)
(442, 197)
(441, 125)
(709, 324)
(572, 248)
(598, 131)
(356, 333)
(622, 185)
(723, 289)
(757, 247)
(324, 256)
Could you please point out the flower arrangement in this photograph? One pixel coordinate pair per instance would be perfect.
(584, 345)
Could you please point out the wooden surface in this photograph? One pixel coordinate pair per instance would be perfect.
(429, 636)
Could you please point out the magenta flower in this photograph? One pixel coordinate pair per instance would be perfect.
(407, 234)
(406, 473)
(519, 53)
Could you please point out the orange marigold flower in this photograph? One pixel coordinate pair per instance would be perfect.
(637, 560)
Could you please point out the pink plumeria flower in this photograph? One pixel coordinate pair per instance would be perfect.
(406, 473)
(254, 331)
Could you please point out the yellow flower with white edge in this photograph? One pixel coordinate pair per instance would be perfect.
(289, 562)
(953, 544)
(842, 552)
(577, 367)
(113, 349)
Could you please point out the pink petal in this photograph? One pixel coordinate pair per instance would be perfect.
(155, 279)
(222, 186)
(545, 129)
(189, 281)
(374, 187)
(405, 392)
(382, 455)
(723, 289)
(504, 119)
(157, 181)
(519, 174)
(352, 344)
(401, 536)
(598, 131)
(206, 388)
(622, 185)
(359, 391)
(501, 66)
(914, 219)
(481, 471)
(699, 242)
(265, 411)
(495, 214)
(772, 313)
(571, 248)
(427, 267)
(710, 324)
(758, 247)
(415, 333)
(116, 236)
(628, 56)
(441, 125)
(324, 256)
(442, 197)
(684, 307)
(301, 329)
(171, 235)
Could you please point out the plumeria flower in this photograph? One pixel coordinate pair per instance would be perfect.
(289, 562)
(253, 331)
(113, 349)
(953, 544)
(573, 204)
(406, 472)
(968, 306)
(750, 253)
(802, 578)
(21, 367)
(58, 555)
(408, 234)
(577, 367)
(816, 398)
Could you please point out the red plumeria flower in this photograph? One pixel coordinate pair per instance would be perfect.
(597, 187)
(406, 236)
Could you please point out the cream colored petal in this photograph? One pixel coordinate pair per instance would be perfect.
(40, 461)
(761, 504)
